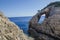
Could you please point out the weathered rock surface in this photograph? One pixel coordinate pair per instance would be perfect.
(10, 31)
(50, 28)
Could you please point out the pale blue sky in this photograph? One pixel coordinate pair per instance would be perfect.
(18, 8)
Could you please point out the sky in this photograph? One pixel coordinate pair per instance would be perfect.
(19, 8)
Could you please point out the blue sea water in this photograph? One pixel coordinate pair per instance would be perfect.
(23, 22)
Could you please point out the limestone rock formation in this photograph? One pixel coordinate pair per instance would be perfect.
(10, 31)
(50, 28)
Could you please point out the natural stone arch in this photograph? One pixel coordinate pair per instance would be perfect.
(37, 30)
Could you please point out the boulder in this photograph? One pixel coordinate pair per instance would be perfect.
(50, 28)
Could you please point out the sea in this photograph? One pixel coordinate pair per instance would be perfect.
(23, 22)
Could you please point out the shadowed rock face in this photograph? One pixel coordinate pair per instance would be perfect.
(50, 28)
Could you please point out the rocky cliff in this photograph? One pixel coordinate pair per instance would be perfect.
(50, 28)
(10, 31)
